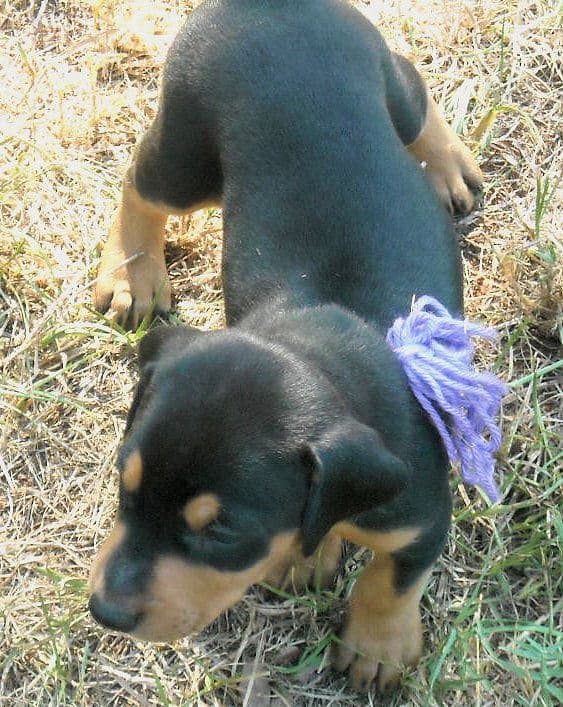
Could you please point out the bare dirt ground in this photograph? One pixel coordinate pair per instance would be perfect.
(79, 83)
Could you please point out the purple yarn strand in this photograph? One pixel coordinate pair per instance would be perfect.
(437, 353)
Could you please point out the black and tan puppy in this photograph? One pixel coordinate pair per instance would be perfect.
(254, 450)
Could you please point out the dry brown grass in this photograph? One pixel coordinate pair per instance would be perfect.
(78, 85)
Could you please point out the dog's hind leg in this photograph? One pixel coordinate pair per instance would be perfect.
(173, 172)
(132, 275)
(449, 164)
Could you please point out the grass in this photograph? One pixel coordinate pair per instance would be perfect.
(79, 85)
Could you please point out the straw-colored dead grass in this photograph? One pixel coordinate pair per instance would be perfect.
(78, 85)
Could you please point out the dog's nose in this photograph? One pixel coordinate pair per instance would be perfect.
(113, 615)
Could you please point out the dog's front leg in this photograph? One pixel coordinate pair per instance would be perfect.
(383, 632)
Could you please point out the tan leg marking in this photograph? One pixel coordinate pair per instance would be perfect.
(449, 163)
(132, 475)
(132, 273)
(315, 571)
(383, 632)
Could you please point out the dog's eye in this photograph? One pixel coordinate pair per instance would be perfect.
(214, 538)
(215, 532)
(206, 531)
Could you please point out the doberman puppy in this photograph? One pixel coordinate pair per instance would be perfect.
(249, 453)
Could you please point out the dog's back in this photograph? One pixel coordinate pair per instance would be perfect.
(288, 101)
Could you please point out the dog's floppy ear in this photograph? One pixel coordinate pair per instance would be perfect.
(351, 472)
(165, 341)
(159, 342)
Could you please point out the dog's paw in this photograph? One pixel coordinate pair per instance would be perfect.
(299, 572)
(130, 287)
(449, 164)
(455, 175)
(378, 647)
(318, 570)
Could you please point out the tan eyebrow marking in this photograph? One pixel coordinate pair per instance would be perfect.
(201, 511)
(133, 472)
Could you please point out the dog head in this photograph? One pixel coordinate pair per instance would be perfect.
(235, 453)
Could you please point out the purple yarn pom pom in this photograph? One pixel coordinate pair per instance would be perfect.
(436, 353)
